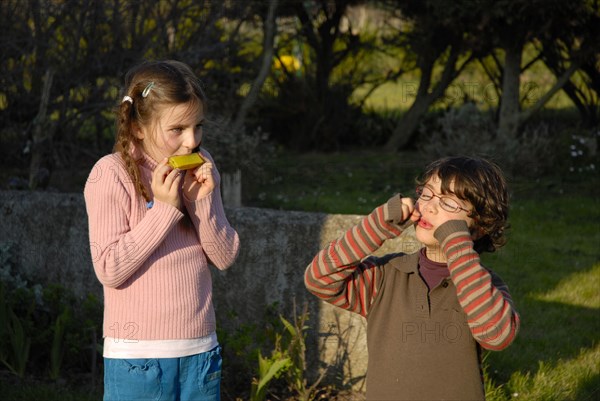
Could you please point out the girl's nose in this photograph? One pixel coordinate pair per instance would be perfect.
(192, 140)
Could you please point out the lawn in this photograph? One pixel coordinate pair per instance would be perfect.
(551, 262)
(552, 266)
(345, 183)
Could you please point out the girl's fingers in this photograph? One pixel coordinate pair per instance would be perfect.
(204, 171)
(165, 183)
(161, 171)
(171, 177)
(200, 182)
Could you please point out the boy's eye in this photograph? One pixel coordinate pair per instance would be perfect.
(449, 203)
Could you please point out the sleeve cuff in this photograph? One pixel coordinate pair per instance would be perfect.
(393, 210)
(450, 227)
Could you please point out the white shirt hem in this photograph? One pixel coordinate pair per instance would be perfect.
(118, 348)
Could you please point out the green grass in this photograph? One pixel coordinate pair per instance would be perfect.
(551, 262)
(346, 183)
(32, 390)
(552, 265)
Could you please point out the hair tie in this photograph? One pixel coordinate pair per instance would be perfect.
(147, 89)
(127, 99)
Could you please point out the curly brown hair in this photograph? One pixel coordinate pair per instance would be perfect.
(149, 87)
(481, 183)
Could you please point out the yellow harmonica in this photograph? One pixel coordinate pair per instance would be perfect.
(186, 162)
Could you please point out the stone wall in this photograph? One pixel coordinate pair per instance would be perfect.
(48, 232)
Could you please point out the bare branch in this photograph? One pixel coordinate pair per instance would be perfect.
(270, 27)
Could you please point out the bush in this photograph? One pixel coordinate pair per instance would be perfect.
(468, 131)
(301, 120)
(46, 330)
(246, 151)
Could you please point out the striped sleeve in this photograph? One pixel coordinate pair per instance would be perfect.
(342, 274)
(491, 315)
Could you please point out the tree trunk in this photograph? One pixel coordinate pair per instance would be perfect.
(267, 57)
(508, 119)
(232, 188)
(41, 149)
(407, 127)
(406, 130)
(560, 82)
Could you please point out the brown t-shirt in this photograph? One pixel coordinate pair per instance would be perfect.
(420, 346)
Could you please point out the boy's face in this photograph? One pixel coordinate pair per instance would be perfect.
(438, 209)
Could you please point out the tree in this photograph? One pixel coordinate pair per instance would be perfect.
(269, 33)
(438, 37)
(88, 46)
(555, 46)
(310, 107)
(561, 31)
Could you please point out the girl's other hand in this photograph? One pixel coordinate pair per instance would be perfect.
(165, 184)
(200, 182)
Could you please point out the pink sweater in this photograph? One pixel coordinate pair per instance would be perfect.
(153, 263)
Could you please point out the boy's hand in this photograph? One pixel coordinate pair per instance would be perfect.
(165, 183)
(410, 212)
(199, 182)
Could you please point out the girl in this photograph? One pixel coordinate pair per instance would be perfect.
(153, 230)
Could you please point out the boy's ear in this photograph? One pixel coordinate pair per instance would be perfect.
(477, 232)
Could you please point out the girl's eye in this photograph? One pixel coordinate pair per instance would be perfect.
(177, 130)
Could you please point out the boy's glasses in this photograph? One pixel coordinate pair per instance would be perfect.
(446, 203)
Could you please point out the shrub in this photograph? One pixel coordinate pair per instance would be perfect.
(46, 329)
(468, 131)
(246, 151)
(300, 119)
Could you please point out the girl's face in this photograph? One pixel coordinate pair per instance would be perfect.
(176, 131)
(432, 215)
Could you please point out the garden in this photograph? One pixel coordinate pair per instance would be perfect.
(324, 107)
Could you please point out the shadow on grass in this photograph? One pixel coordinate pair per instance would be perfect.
(589, 389)
(551, 333)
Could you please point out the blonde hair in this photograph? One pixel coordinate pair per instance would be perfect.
(149, 87)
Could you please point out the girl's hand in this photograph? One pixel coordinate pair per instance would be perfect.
(165, 183)
(200, 182)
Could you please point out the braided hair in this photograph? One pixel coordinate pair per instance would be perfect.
(148, 88)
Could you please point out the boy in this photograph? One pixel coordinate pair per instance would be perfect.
(428, 313)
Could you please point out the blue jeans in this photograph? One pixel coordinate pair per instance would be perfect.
(189, 378)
